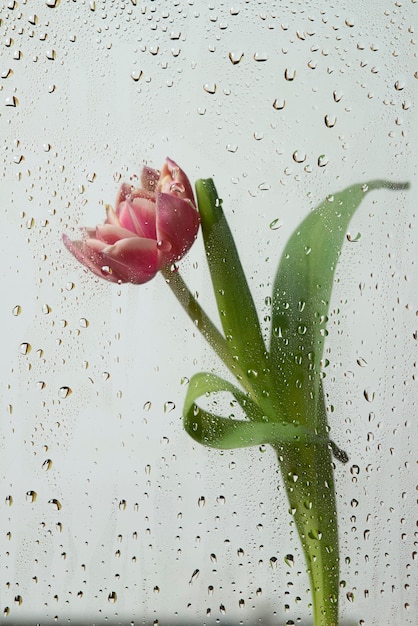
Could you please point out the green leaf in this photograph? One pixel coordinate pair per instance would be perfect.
(226, 433)
(236, 307)
(301, 297)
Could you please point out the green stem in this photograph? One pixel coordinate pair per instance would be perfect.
(201, 321)
(307, 473)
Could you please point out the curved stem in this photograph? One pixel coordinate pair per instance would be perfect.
(202, 321)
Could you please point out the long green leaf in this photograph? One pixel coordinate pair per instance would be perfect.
(301, 296)
(226, 433)
(236, 307)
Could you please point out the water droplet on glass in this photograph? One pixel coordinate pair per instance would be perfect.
(235, 57)
(112, 597)
(169, 406)
(322, 160)
(290, 74)
(194, 576)
(210, 88)
(25, 348)
(64, 392)
(201, 501)
(279, 104)
(52, 3)
(11, 101)
(136, 75)
(56, 503)
(31, 496)
(17, 310)
(274, 225)
(330, 121)
(46, 465)
(361, 362)
(354, 239)
(299, 157)
(369, 394)
(261, 56)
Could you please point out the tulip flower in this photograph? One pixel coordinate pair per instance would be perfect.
(151, 227)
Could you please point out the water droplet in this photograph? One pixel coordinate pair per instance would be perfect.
(11, 101)
(361, 362)
(194, 576)
(210, 88)
(322, 160)
(46, 465)
(279, 104)
(201, 501)
(274, 225)
(369, 394)
(136, 75)
(52, 4)
(18, 600)
(213, 558)
(235, 57)
(350, 596)
(84, 322)
(56, 503)
(290, 74)
(261, 56)
(64, 392)
(289, 559)
(169, 406)
(330, 121)
(17, 310)
(231, 147)
(51, 55)
(147, 406)
(31, 496)
(25, 348)
(112, 597)
(354, 239)
(299, 157)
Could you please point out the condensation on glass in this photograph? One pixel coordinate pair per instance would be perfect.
(110, 513)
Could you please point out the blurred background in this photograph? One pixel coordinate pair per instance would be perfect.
(110, 513)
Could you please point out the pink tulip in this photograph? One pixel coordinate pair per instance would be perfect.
(152, 226)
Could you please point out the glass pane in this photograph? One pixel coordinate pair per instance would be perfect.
(111, 512)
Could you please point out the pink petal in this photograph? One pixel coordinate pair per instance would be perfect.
(177, 223)
(111, 217)
(110, 234)
(135, 260)
(138, 217)
(91, 258)
(174, 180)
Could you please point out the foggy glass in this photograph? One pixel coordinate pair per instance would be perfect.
(110, 512)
